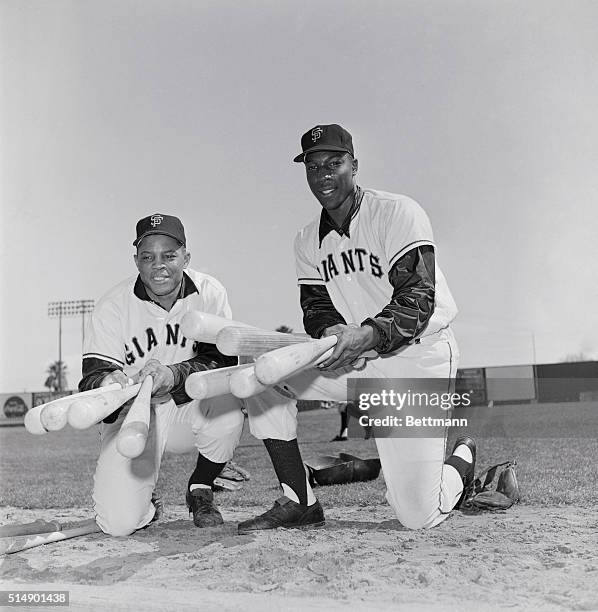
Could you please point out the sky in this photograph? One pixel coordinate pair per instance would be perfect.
(483, 112)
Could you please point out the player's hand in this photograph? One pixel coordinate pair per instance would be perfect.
(162, 376)
(353, 340)
(118, 376)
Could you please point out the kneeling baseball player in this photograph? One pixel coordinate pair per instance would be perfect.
(368, 273)
(134, 332)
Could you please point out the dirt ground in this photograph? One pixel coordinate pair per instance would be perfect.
(527, 558)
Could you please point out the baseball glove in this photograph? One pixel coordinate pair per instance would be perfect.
(230, 478)
(329, 470)
(489, 492)
(363, 469)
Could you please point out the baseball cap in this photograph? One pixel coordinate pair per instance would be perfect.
(160, 224)
(325, 138)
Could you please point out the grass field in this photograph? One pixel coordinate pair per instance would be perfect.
(539, 555)
(56, 470)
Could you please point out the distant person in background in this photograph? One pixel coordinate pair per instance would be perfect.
(344, 430)
(344, 414)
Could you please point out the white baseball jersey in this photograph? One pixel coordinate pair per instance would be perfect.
(127, 330)
(354, 268)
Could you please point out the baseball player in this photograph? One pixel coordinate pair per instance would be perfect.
(368, 273)
(134, 332)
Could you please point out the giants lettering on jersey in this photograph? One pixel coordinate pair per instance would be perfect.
(351, 261)
(141, 346)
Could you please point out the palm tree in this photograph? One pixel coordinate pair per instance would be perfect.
(56, 380)
(573, 357)
(284, 329)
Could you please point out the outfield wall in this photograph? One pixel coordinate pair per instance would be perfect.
(543, 383)
(510, 384)
(566, 382)
(13, 406)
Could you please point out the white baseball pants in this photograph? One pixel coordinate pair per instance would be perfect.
(421, 489)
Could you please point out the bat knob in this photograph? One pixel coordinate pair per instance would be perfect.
(131, 439)
(81, 414)
(54, 418)
(244, 384)
(196, 387)
(33, 422)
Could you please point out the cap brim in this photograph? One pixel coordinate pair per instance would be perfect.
(301, 157)
(153, 233)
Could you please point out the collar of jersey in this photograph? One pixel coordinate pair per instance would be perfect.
(187, 288)
(327, 225)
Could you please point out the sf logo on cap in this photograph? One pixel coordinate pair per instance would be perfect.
(156, 220)
(316, 133)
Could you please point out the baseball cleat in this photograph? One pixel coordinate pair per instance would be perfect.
(339, 438)
(201, 504)
(468, 473)
(285, 513)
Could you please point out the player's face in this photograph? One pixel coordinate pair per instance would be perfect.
(331, 178)
(161, 260)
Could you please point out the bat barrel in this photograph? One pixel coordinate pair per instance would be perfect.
(88, 411)
(254, 341)
(54, 417)
(133, 433)
(244, 383)
(203, 385)
(37, 526)
(275, 366)
(33, 422)
(204, 327)
(18, 543)
(52, 411)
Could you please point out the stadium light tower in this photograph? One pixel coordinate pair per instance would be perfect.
(68, 308)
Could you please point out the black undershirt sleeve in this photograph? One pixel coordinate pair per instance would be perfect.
(94, 371)
(208, 358)
(318, 310)
(412, 304)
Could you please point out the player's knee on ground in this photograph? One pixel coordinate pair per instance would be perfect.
(416, 513)
(116, 528)
(425, 507)
(118, 522)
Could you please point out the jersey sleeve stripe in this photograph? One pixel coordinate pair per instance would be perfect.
(310, 281)
(103, 357)
(409, 247)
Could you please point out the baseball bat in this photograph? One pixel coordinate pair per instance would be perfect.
(282, 363)
(203, 385)
(204, 327)
(88, 411)
(253, 341)
(244, 383)
(37, 526)
(16, 544)
(54, 414)
(33, 420)
(132, 436)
